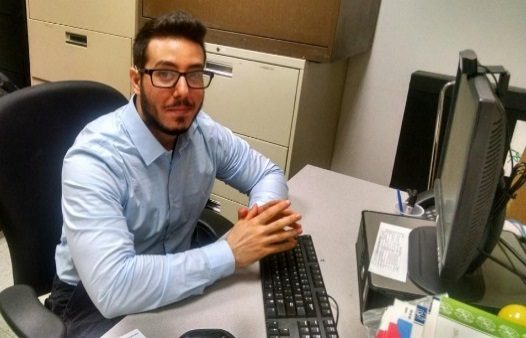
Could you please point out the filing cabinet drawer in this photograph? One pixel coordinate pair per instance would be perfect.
(276, 153)
(114, 17)
(65, 53)
(252, 98)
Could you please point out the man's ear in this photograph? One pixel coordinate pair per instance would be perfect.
(135, 80)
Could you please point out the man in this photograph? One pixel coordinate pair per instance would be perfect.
(136, 180)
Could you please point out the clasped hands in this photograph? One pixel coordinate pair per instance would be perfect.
(263, 230)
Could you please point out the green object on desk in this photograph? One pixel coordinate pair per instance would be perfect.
(465, 320)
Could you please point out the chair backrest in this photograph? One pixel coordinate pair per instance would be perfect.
(37, 126)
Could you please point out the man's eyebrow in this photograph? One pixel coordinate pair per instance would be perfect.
(170, 64)
(165, 64)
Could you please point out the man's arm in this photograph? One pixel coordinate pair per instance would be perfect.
(247, 170)
(268, 225)
(118, 280)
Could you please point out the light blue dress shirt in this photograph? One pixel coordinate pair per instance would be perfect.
(130, 208)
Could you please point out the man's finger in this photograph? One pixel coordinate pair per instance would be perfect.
(268, 205)
(290, 221)
(242, 212)
(284, 245)
(272, 211)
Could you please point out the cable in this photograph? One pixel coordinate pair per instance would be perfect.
(516, 181)
(508, 145)
(337, 317)
(517, 177)
(511, 268)
(512, 250)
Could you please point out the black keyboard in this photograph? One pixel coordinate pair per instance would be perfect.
(294, 296)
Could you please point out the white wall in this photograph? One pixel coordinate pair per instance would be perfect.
(418, 35)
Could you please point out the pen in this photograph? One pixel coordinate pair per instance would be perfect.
(400, 205)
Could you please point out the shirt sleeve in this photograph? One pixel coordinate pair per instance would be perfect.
(247, 170)
(118, 280)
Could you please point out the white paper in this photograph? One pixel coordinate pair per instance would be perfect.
(390, 253)
(133, 334)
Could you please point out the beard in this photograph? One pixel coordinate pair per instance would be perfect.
(153, 121)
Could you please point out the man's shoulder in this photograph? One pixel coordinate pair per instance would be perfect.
(101, 134)
(106, 126)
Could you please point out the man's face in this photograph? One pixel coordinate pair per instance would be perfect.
(169, 112)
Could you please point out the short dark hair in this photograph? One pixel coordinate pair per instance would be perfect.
(173, 24)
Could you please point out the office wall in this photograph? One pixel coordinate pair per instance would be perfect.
(418, 35)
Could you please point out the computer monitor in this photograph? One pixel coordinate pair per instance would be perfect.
(412, 164)
(447, 258)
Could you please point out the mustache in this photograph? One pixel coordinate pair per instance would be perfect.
(181, 103)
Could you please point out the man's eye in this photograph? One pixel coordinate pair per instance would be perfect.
(195, 75)
(166, 75)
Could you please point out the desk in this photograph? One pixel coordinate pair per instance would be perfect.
(331, 206)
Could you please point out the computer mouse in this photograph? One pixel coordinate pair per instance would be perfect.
(207, 333)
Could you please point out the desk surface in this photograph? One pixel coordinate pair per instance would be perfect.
(331, 205)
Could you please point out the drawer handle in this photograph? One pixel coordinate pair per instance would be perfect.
(76, 39)
(220, 69)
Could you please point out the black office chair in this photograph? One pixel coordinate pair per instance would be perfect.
(37, 126)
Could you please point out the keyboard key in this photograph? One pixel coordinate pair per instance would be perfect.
(295, 298)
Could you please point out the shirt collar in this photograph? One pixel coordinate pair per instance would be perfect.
(147, 145)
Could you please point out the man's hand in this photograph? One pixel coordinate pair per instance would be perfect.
(263, 230)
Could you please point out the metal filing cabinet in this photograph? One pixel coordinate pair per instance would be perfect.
(82, 40)
(286, 108)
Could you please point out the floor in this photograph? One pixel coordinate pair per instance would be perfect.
(6, 279)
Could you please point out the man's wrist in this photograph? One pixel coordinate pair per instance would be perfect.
(220, 258)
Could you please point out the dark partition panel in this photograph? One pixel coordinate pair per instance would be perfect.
(14, 56)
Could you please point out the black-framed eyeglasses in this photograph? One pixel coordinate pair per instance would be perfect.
(167, 78)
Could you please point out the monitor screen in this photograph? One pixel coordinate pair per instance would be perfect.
(447, 258)
(455, 163)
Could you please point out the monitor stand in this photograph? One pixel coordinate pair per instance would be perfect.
(423, 269)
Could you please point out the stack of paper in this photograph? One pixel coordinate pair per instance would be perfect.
(406, 320)
(444, 317)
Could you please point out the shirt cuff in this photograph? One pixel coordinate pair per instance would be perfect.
(220, 258)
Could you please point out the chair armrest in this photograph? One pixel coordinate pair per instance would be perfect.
(218, 223)
(210, 227)
(27, 316)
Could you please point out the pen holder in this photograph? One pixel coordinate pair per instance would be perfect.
(416, 211)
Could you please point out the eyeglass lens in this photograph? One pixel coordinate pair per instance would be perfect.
(169, 78)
